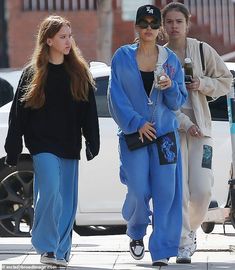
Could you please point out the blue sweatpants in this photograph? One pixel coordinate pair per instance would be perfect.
(146, 179)
(55, 203)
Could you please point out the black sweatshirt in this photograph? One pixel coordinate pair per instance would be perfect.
(57, 126)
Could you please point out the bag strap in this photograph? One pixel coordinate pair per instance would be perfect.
(162, 58)
(209, 99)
(202, 56)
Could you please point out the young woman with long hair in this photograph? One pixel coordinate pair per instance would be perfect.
(213, 80)
(53, 107)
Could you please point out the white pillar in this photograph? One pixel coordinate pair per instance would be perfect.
(212, 16)
(225, 22)
(205, 10)
(232, 22)
(218, 17)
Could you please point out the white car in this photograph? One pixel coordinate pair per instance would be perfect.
(101, 194)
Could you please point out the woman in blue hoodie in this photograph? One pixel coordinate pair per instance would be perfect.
(146, 87)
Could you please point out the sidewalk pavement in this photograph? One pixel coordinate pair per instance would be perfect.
(215, 251)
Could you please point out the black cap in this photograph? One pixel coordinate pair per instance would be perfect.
(148, 10)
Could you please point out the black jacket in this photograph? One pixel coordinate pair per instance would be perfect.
(58, 126)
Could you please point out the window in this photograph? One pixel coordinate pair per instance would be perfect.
(219, 109)
(101, 96)
(60, 5)
(129, 8)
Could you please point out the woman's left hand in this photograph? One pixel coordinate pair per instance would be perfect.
(195, 131)
(164, 82)
(194, 85)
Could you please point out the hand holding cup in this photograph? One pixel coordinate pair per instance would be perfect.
(164, 81)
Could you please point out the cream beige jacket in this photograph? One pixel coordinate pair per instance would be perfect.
(214, 82)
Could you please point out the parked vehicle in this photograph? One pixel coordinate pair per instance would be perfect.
(100, 192)
(224, 214)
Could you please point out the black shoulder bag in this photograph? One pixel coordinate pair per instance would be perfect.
(134, 142)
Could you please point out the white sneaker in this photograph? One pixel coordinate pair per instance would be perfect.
(61, 262)
(184, 255)
(48, 258)
(193, 238)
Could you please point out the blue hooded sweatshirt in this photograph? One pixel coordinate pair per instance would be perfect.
(128, 102)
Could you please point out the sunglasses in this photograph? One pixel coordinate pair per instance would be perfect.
(144, 24)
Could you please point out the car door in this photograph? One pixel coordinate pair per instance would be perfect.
(222, 150)
(101, 194)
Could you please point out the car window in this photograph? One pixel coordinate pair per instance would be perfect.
(101, 96)
(219, 109)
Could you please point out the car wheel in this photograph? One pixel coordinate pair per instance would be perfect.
(99, 230)
(16, 199)
(208, 227)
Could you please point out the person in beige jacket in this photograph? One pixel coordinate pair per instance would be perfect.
(195, 121)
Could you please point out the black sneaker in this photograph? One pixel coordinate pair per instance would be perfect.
(162, 262)
(137, 249)
(48, 258)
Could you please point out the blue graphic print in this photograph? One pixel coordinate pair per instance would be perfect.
(167, 149)
(207, 156)
(166, 146)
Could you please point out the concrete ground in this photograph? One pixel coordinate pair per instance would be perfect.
(215, 251)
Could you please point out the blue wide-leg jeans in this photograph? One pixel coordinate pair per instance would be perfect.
(147, 179)
(55, 203)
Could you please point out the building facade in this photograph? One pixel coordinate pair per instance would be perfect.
(212, 21)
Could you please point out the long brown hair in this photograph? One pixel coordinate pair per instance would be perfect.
(75, 65)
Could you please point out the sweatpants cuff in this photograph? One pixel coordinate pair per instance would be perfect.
(137, 232)
(164, 253)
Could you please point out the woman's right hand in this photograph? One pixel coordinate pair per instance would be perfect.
(148, 131)
(164, 82)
